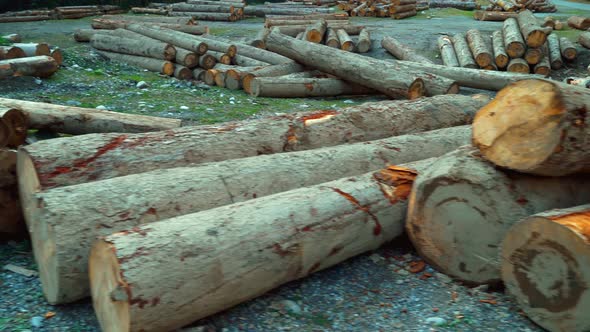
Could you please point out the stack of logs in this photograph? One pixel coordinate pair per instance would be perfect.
(293, 10)
(210, 10)
(521, 46)
(397, 9)
(483, 213)
(28, 59)
(59, 13)
(458, 4)
(538, 6)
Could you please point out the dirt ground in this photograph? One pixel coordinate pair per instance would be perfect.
(372, 292)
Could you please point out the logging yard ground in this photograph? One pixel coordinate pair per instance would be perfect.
(372, 292)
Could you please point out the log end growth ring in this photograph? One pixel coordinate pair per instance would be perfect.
(110, 295)
(521, 126)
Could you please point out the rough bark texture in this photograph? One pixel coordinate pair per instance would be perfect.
(11, 52)
(207, 61)
(155, 65)
(579, 22)
(316, 227)
(175, 38)
(483, 15)
(533, 55)
(15, 124)
(199, 74)
(152, 19)
(12, 223)
(332, 38)
(500, 57)
(554, 51)
(447, 51)
(518, 66)
(39, 66)
(544, 66)
(346, 43)
(186, 7)
(479, 48)
(403, 52)
(513, 41)
(364, 42)
(462, 206)
(546, 266)
(462, 51)
(140, 47)
(78, 120)
(111, 25)
(568, 50)
(71, 224)
(315, 32)
(533, 34)
(547, 136)
(256, 53)
(280, 87)
(584, 39)
(260, 40)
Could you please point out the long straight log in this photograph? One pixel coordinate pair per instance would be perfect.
(479, 48)
(462, 51)
(533, 34)
(269, 23)
(327, 17)
(255, 53)
(33, 49)
(476, 203)
(364, 42)
(447, 51)
(111, 25)
(500, 57)
(402, 15)
(560, 237)
(173, 37)
(518, 66)
(293, 30)
(168, 20)
(546, 137)
(568, 50)
(513, 41)
(346, 43)
(38, 66)
(244, 61)
(156, 65)
(211, 185)
(279, 87)
(482, 15)
(332, 39)
(78, 120)
(463, 5)
(401, 51)
(554, 51)
(584, 39)
(261, 11)
(207, 16)
(139, 47)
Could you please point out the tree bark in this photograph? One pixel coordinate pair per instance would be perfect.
(447, 51)
(533, 34)
(279, 87)
(584, 39)
(462, 50)
(207, 16)
(12, 223)
(84, 35)
(260, 40)
(220, 57)
(533, 55)
(244, 61)
(139, 47)
(151, 19)
(111, 25)
(518, 66)
(327, 17)
(506, 5)
(399, 16)
(256, 53)
(262, 11)
(346, 43)
(57, 55)
(5, 133)
(11, 52)
(403, 52)
(315, 32)
(513, 41)
(545, 260)
(209, 77)
(38, 66)
(543, 67)
(463, 5)
(547, 136)
(554, 51)
(211, 186)
(182, 72)
(500, 57)
(176, 38)
(364, 41)
(187, 7)
(269, 71)
(24, 19)
(332, 39)
(33, 49)
(15, 124)
(269, 23)
(154, 11)
(462, 206)
(293, 30)
(568, 50)
(77, 120)
(219, 78)
(207, 61)
(186, 58)
(479, 48)
(156, 65)
(482, 15)
(579, 22)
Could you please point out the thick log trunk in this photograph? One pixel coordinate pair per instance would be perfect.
(12, 223)
(24, 19)
(38, 66)
(220, 57)
(33, 49)
(186, 58)
(151, 19)
(554, 51)
(364, 42)
(256, 53)
(57, 55)
(269, 23)
(78, 120)
(568, 50)
(513, 41)
(159, 66)
(155, 11)
(207, 61)
(11, 52)
(293, 30)
(139, 47)
(447, 51)
(533, 34)
(15, 124)
(269, 71)
(279, 87)
(584, 39)
(403, 52)
(261, 11)
(544, 66)
(260, 40)
(194, 43)
(332, 38)
(207, 16)
(403, 8)
(479, 48)
(500, 57)
(506, 5)
(209, 77)
(219, 78)
(187, 7)
(533, 55)
(199, 74)
(5, 133)
(84, 35)
(518, 66)
(212, 185)
(346, 43)
(462, 206)
(244, 61)
(399, 16)
(182, 72)
(315, 32)
(579, 22)
(547, 136)
(111, 25)
(462, 51)
(327, 17)
(463, 5)
(545, 260)
(482, 15)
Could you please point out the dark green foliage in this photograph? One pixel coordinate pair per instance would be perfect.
(12, 5)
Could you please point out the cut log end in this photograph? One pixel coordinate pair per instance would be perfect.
(168, 68)
(536, 38)
(417, 89)
(17, 123)
(110, 294)
(4, 134)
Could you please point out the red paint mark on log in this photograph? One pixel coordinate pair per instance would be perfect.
(139, 302)
(314, 268)
(155, 301)
(306, 229)
(377, 229)
(522, 201)
(291, 138)
(151, 211)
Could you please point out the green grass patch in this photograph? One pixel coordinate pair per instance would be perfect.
(4, 42)
(449, 12)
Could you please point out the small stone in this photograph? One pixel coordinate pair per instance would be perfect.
(376, 258)
(436, 321)
(291, 307)
(141, 85)
(101, 107)
(184, 108)
(209, 109)
(403, 272)
(399, 281)
(348, 101)
(443, 277)
(38, 81)
(89, 69)
(75, 66)
(37, 321)
(232, 102)
(73, 103)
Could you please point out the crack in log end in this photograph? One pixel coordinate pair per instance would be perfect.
(318, 117)
(377, 229)
(396, 182)
(314, 268)
(522, 200)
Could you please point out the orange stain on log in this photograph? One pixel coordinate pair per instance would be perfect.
(318, 116)
(377, 229)
(399, 182)
(578, 222)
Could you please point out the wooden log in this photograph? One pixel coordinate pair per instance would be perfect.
(513, 40)
(182, 72)
(549, 22)
(545, 266)
(57, 55)
(568, 50)
(558, 25)
(219, 78)
(12, 223)
(364, 42)
(332, 39)
(399, 16)
(186, 58)
(13, 38)
(11, 52)
(346, 43)
(260, 40)
(111, 25)
(233, 79)
(199, 74)
(462, 51)
(533, 34)
(139, 47)
(300, 36)
(279, 87)
(293, 30)
(78, 120)
(155, 11)
(269, 23)
(173, 37)
(5, 134)
(559, 150)
(464, 194)
(579, 22)
(33, 49)
(77, 162)
(209, 77)
(554, 51)
(84, 35)
(447, 52)
(327, 17)
(482, 15)
(315, 32)
(255, 53)
(544, 66)
(244, 61)
(479, 48)
(463, 5)
(208, 16)
(400, 9)
(506, 5)
(207, 61)
(24, 19)
(156, 65)
(187, 7)
(187, 20)
(220, 57)
(17, 124)
(518, 66)
(38, 66)
(339, 220)
(226, 3)
(269, 71)
(533, 55)
(401, 51)
(500, 57)
(584, 39)
(261, 11)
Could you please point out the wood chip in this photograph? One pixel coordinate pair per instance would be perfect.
(20, 270)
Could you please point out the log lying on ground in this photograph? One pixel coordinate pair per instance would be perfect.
(11, 52)
(462, 51)
(534, 35)
(111, 25)
(260, 40)
(319, 226)
(543, 67)
(332, 38)
(293, 30)
(447, 51)
(212, 185)
(69, 161)
(140, 47)
(533, 55)
(401, 51)
(568, 50)
(12, 223)
(38, 66)
(155, 11)
(24, 18)
(15, 124)
(315, 32)
(518, 66)
(187, 7)
(57, 55)
(547, 136)
(346, 43)
(261, 11)
(479, 48)
(483, 15)
(364, 42)
(5, 133)
(256, 53)
(208, 16)
(159, 66)
(33, 49)
(554, 51)
(500, 57)
(579, 22)
(168, 20)
(545, 265)
(78, 120)
(475, 203)
(269, 23)
(182, 72)
(463, 5)
(176, 38)
(268, 71)
(584, 39)
(513, 41)
(279, 87)
(84, 35)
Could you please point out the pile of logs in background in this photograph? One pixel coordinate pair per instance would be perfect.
(59, 13)
(397, 9)
(28, 59)
(539, 6)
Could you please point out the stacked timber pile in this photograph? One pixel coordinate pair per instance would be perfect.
(510, 207)
(59, 13)
(499, 10)
(209, 10)
(293, 10)
(458, 4)
(18, 116)
(397, 9)
(28, 59)
(522, 46)
(27, 16)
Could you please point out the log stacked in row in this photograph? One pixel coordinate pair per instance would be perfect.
(206, 10)
(29, 59)
(513, 6)
(397, 9)
(458, 4)
(59, 13)
(265, 10)
(529, 155)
